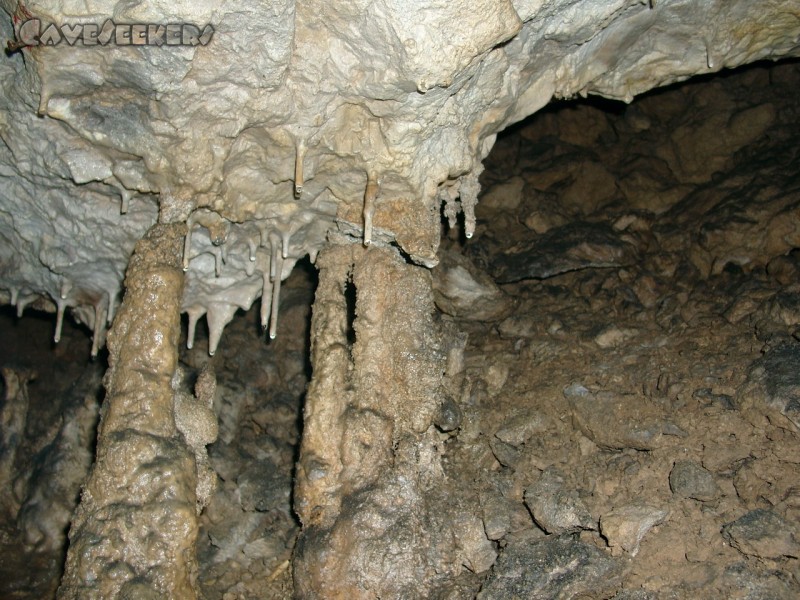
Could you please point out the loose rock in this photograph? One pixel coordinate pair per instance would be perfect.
(552, 567)
(556, 508)
(764, 534)
(625, 527)
(689, 480)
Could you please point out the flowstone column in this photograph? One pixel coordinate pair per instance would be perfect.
(134, 532)
(380, 519)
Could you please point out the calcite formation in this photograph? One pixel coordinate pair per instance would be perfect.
(283, 121)
(134, 532)
(258, 134)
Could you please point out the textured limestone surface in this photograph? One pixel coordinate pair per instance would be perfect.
(295, 119)
(371, 491)
(134, 531)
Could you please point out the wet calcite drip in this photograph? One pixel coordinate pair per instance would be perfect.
(370, 487)
(134, 532)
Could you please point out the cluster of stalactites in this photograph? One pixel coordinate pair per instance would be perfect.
(96, 311)
(265, 248)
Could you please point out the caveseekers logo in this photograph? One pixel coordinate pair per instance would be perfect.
(34, 32)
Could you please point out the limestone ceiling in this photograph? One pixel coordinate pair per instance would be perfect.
(295, 120)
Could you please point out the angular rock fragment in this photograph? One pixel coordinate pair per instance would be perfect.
(746, 582)
(763, 533)
(552, 567)
(690, 480)
(520, 427)
(775, 377)
(625, 527)
(615, 421)
(462, 290)
(555, 507)
(572, 247)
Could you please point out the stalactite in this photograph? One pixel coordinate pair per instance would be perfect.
(218, 316)
(276, 297)
(60, 307)
(187, 245)
(298, 168)
(194, 313)
(98, 330)
(370, 194)
(266, 297)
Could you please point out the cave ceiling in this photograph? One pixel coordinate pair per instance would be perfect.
(271, 127)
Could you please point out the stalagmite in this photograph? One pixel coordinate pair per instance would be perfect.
(368, 443)
(370, 194)
(134, 531)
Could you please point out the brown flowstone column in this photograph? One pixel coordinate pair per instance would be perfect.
(134, 532)
(380, 519)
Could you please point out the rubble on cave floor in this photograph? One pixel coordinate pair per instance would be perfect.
(636, 414)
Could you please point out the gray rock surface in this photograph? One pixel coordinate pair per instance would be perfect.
(690, 480)
(556, 507)
(568, 248)
(776, 378)
(763, 533)
(614, 421)
(555, 567)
